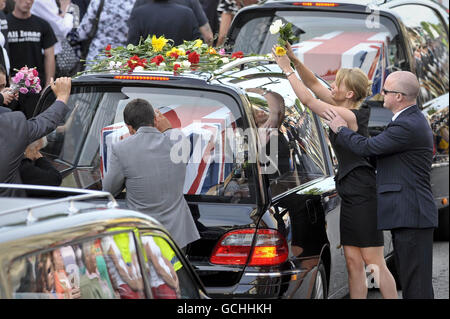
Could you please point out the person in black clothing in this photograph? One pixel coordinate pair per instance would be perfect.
(200, 16)
(4, 48)
(28, 37)
(163, 18)
(355, 181)
(210, 8)
(82, 5)
(35, 169)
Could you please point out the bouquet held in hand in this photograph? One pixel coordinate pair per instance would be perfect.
(285, 35)
(26, 80)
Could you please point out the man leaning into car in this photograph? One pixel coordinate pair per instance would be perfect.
(16, 133)
(143, 164)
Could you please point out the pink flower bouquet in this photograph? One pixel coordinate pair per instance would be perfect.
(26, 80)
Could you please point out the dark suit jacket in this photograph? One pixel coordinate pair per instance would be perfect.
(16, 133)
(172, 20)
(404, 153)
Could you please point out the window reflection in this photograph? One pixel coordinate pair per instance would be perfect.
(429, 44)
(105, 268)
(169, 278)
(298, 151)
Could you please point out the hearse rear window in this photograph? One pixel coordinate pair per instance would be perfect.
(216, 164)
(328, 41)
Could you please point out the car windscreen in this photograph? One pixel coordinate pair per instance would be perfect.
(328, 40)
(209, 120)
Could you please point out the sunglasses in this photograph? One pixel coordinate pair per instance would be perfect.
(387, 91)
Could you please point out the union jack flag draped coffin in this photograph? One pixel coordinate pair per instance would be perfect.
(326, 54)
(212, 152)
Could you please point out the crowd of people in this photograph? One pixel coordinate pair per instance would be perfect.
(62, 37)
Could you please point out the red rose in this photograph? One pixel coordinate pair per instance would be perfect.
(157, 59)
(237, 55)
(135, 61)
(176, 66)
(108, 50)
(174, 55)
(194, 57)
(35, 73)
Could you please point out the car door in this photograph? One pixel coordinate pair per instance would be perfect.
(304, 201)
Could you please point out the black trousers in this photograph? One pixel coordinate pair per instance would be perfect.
(413, 251)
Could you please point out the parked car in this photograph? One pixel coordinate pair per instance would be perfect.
(393, 35)
(263, 234)
(83, 246)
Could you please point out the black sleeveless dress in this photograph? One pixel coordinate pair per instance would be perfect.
(356, 185)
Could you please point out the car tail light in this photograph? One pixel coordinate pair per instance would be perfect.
(235, 247)
(140, 77)
(316, 4)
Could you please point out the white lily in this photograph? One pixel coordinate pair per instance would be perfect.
(276, 26)
(225, 60)
(138, 69)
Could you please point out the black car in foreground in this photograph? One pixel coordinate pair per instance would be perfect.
(80, 245)
(268, 229)
(377, 36)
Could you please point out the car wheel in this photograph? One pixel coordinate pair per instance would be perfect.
(320, 284)
(441, 233)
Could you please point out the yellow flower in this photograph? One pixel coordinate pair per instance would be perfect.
(158, 43)
(181, 51)
(198, 43)
(212, 51)
(280, 51)
(174, 50)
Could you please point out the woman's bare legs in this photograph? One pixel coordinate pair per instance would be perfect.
(386, 282)
(356, 272)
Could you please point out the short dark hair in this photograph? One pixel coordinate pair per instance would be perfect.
(2, 69)
(139, 113)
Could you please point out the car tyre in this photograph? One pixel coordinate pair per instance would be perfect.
(320, 290)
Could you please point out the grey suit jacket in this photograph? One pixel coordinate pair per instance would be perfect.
(154, 183)
(16, 133)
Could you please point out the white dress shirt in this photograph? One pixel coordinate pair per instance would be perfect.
(399, 112)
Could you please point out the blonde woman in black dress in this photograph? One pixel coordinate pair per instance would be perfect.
(355, 181)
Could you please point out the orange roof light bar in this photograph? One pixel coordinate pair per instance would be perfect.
(316, 4)
(141, 77)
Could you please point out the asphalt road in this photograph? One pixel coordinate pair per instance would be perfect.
(440, 273)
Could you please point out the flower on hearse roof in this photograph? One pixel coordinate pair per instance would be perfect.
(159, 54)
(158, 44)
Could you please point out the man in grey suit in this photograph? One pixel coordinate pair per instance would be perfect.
(153, 178)
(404, 152)
(16, 133)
